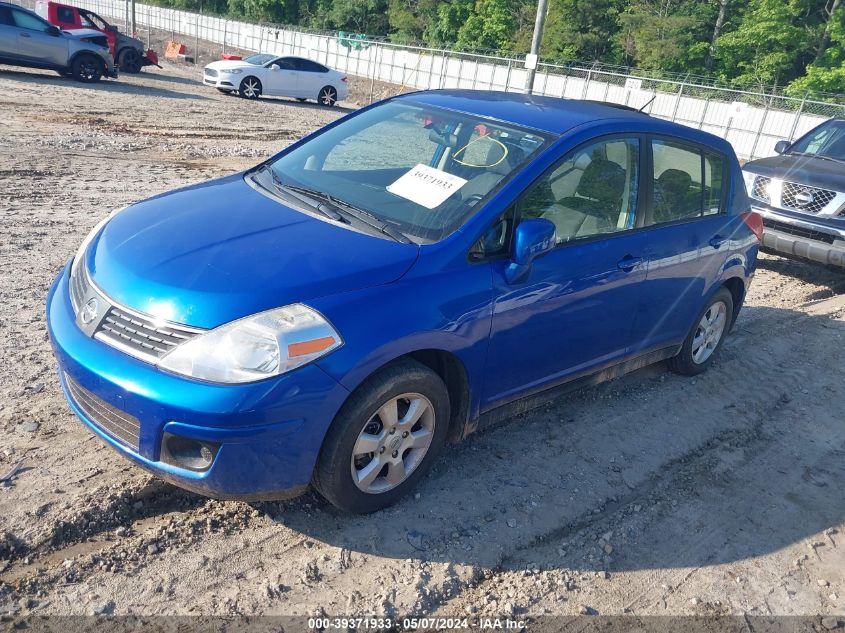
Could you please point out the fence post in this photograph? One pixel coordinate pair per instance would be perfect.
(508, 76)
(197, 39)
(797, 118)
(760, 130)
(704, 114)
(225, 28)
(587, 84)
(677, 102)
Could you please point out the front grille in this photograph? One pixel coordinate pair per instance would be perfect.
(210, 72)
(760, 190)
(118, 424)
(78, 286)
(798, 231)
(140, 335)
(804, 198)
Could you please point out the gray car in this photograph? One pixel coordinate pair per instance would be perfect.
(28, 40)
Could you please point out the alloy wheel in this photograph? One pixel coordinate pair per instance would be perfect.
(393, 443)
(709, 332)
(251, 88)
(328, 96)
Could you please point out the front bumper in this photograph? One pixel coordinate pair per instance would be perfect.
(802, 238)
(269, 433)
(224, 82)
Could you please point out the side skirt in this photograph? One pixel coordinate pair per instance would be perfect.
(505, 412)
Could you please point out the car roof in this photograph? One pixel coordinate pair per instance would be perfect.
(552, 114)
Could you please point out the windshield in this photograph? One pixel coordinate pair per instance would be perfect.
(419, 169)
(828, 140)
(260, 59)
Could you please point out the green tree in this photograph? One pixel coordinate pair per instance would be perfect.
(448, 20)
(578, 29)
(663, 34)
(772, 43)
(278, 11)
(827, 72)
(491, 26)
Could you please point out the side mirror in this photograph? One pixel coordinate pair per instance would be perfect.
(55, 31)
(781, 147)
(532, 239)
(274, 67)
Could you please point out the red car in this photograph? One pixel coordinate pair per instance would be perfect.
(128, 52)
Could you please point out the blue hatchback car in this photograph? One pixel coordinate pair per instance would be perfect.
(413, 271)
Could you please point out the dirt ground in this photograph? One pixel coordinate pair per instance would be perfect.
(652, 494)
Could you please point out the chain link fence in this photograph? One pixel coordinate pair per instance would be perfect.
(751, 121)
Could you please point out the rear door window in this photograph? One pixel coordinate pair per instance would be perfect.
(688, 182)
(308, 66)
(6, 17)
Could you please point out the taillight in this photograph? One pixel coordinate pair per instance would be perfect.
(754, 221)
(344, 79)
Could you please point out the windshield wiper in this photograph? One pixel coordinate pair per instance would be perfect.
(369, 219)
(335, 208)
(307, 196)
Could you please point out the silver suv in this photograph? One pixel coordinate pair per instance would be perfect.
(28, 40)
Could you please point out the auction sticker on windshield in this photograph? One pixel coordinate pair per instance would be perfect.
(426, 186)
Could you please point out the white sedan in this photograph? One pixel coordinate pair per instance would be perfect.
(265, 74)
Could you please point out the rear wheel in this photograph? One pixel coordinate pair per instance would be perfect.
(384, 439)
(87, 68)
(250, 88)
(706, 337)
(327, 96)
(129, 60)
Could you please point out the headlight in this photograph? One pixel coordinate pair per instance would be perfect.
(231, 71)
(256, 347)
(748, 177)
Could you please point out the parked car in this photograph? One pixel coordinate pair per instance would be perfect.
(274, 76)
(28, 40)
(127, 51)
(410, 272)
(801, 195)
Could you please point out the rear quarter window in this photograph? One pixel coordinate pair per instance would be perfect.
(689, 181)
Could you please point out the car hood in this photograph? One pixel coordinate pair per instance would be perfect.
(225, 64)
(806, 170)
(221, 250)
(80, 33)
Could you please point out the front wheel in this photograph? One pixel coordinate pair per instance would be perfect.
(130, 61)
(87, 69)
(327, 96)
(706, 337)
(250, 88)
(384, 439)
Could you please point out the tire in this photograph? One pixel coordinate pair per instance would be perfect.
(129, 60)
(87, 68)
(250, 88)
(327, 96)
(693, 358)
(342, 467)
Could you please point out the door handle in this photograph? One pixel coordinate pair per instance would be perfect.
(24, 34)
(716, 241)
(629, 263)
